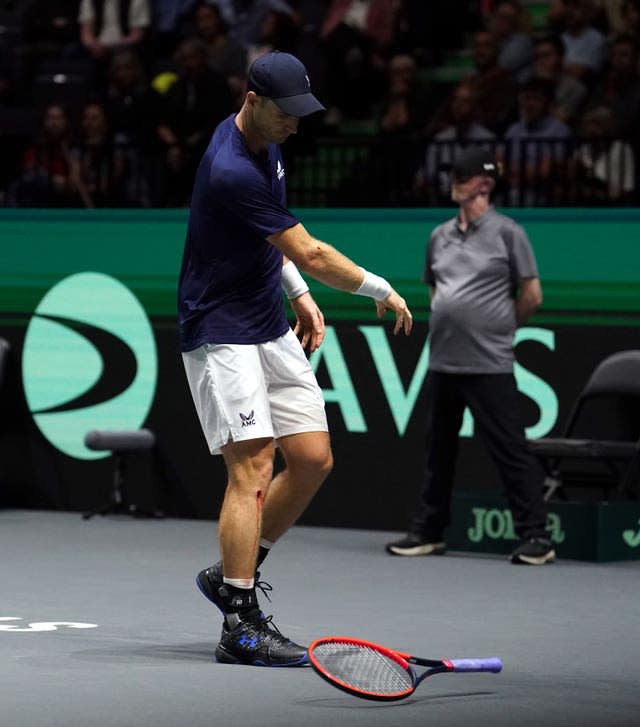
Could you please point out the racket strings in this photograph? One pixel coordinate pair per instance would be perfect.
(363, 668)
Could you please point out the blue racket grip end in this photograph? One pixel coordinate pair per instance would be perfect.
(490, 664)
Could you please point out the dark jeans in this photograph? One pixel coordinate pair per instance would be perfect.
(493, 401)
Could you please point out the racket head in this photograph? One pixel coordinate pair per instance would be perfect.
(363, 668)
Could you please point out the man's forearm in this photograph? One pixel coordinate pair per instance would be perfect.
(525, 308)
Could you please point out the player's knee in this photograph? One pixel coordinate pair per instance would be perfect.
(321, 463)
(310, 461)
(253, 475)
(262, 473)
(312, 469)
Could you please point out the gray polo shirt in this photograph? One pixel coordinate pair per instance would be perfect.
(476, 275)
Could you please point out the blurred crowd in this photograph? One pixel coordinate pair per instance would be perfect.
(110, 103)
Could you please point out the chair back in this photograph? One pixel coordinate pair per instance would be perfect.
(617, 374)
(608, 407)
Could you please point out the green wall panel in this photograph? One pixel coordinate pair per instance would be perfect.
(589, 259)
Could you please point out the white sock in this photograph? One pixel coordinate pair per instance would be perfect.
(246, 583)
(268, 544)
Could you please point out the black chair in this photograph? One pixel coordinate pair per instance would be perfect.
(122, 444)
(600, 445)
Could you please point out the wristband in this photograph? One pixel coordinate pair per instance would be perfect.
(374, 286)
(292, 282)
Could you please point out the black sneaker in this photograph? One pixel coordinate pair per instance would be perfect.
(209, 581)
(254, 640)
(415, 545)
(534, 551)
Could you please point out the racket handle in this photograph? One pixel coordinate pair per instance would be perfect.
(490, 664)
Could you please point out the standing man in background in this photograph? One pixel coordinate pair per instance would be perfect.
(251, 383)
(484, 283)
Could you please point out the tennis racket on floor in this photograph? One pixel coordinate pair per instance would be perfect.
(372, 671)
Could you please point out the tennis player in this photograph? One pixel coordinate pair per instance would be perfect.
(250, 380)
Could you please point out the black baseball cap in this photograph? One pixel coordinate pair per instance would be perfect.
(284, 79)
(475, 162)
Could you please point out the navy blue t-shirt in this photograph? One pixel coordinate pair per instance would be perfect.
(229, 289)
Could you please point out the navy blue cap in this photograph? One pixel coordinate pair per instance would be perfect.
(283, 78)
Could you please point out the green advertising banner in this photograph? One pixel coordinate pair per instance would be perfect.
(589, 260)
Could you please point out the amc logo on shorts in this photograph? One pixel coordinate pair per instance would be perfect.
(89, 361)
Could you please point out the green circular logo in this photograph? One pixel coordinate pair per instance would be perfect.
(89, 361)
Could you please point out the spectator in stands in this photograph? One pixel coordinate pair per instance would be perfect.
(245, 17)
(585, 46)
(619, 88)
(398, 124)
(570, 93)
(310, 14)
(606, 16)
(358, 36)
(167, 18)
(109, 24)
(132, 109)
(612, 17)
(131, 105)
(189, 112)
(49, 27)
(629, 19)
(603, 167)
(44, 177)
(226, 55)
(17, 120)
(7, 74)
(509, 24)
(555, 17)
(432, 181)
(277, 32)
(427, 30)
(96, 166)
(495, 88)
(536, 147)
(405, 103)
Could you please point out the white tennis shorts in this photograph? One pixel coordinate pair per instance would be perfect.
(249, 391)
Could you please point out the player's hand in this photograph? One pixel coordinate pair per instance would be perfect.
(309, 322)
(404, 319)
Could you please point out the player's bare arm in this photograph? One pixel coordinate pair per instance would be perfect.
(309, 322)
(309, 319)
(326, 264)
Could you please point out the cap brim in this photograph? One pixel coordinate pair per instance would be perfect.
(302, 105)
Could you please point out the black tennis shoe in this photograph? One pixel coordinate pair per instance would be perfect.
(413, 544)
(534, 551)
(252, 639)
(209, 581)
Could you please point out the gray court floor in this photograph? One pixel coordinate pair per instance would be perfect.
(101, 625)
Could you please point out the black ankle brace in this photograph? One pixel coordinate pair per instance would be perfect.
(237, 600)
